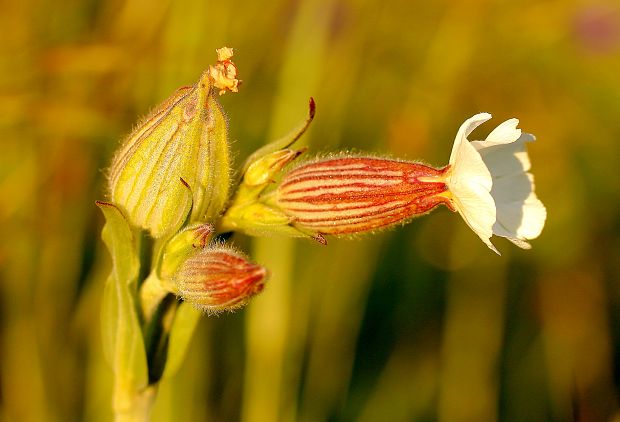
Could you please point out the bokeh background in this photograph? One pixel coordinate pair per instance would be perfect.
(419, 323)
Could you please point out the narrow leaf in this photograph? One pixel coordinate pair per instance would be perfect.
(122, 335)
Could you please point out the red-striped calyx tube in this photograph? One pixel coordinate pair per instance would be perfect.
(347, 195)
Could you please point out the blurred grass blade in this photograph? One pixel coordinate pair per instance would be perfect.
(272, 348)
(122, 336)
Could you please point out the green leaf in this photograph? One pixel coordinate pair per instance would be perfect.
(122, 336)
(183, 327)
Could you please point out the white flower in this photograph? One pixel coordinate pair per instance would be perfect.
(490, 184)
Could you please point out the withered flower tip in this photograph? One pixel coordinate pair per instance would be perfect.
(224, 73)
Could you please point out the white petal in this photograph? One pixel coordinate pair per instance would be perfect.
(534, 217)
(490, 184)
(505, 159)
(467, 166)
(520, 220)
(465, 129)
(476, 206)
(520, 243)
(514, 188)
(520, 214)
(505, 133)
(470, 182)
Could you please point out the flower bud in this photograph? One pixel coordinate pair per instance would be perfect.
(265, 169)
(181, 246)
(218, 279)
(357, 194)
(177, 158)
(247, 212)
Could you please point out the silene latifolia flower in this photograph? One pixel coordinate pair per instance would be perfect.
(487, 182)
(490, 184)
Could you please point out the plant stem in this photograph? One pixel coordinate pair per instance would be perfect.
(140, 407)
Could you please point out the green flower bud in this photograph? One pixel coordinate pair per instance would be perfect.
(246, 211)
(181, 246)
(177, 159)
(262, 171)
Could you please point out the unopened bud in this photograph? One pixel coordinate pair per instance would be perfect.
(181, 246)
(177, 159)
(357, 194)
(219, 279)
(247, 212)
(265, 169)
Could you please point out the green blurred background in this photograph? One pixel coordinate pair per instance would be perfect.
(420, 323)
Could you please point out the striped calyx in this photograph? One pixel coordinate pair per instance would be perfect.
(358, 194)
(218, 279)
(176, 160)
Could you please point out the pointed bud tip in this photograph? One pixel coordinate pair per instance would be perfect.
(103, 204)
(311, 108)
(320, 238)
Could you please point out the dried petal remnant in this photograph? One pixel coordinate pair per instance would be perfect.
(224, 73)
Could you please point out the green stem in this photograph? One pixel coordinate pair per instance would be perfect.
(152, 292)
(139, 409)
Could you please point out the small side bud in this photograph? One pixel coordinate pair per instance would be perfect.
(247, 212)
(219, 279)
(265, 169)
(181, 246)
